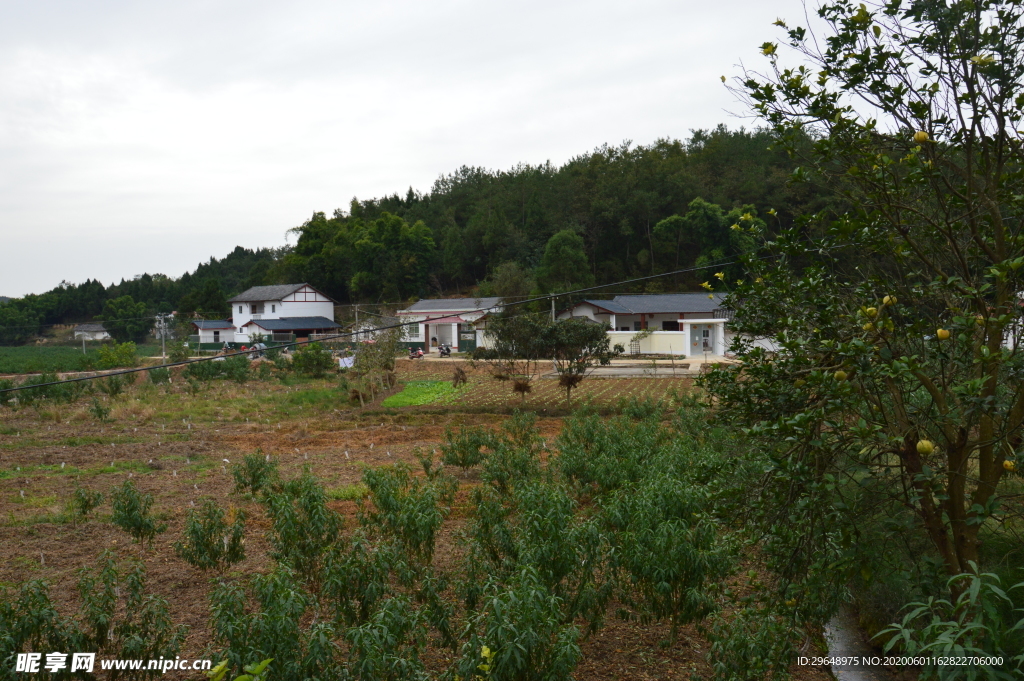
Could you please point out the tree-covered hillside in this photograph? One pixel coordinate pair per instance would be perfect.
(608, 215)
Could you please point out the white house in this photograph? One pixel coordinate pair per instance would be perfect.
(214, 330)
(447, 321)
(286, 308)
(689, 324)
(91, 331)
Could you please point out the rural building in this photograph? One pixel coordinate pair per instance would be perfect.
(689, 324)
(299, 327)
(447, 321)
(297, 309)
(91, 331)
(214, 330)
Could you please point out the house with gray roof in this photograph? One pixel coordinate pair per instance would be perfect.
(447, 321)
(91, 331)
(688, 324)
(297, 309)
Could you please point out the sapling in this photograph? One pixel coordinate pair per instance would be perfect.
(211, 540)
(132, 513)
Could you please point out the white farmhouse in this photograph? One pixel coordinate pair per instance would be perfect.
(297, 309)
(447, 321)
(91, 331)
(214, 330)
(690, 324)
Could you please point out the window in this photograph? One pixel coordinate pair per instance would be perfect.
(239, 309)
(216, 336)
(670, 326)
(273, 308)
(636, 326)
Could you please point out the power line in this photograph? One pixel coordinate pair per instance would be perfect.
(549, 296)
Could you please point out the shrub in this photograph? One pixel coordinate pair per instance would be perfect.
(112, 386)
(158, 376)
(83, 501)
(116, 355)
(204, 371)
(303, 527)
(408, 509)
(255, 474)
(388, 646)
(236, 368)
(132, 513)
(210, 539)
(178, 351)
(313, 360)
(464, 448)
(100, 412)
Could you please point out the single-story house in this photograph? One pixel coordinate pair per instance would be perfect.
(690, 324)
(91, 331)
(300, 327)
(447, 321)
(214, 330)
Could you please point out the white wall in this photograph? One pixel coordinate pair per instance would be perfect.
(226, 336)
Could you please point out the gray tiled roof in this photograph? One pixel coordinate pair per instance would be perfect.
(453, 305)
(213, 324)
(661, 303)
(259, 293)
(89, 327)
(294, 323)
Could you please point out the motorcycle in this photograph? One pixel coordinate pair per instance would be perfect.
(445, 351)
(415, 353)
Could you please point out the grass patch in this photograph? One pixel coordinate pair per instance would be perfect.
(352, 492)
(26, 359)
(98, 440)
(35, 502)
(420, 392)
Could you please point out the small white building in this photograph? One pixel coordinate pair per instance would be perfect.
(299, 302)
(214, 330)
(447, 321)
(688, 324)
(300, 327)
(91, 331)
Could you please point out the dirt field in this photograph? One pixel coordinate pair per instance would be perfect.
(174, 445)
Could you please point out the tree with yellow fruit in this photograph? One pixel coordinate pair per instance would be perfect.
(911, 288)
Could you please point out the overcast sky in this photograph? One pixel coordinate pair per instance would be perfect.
(146, 137)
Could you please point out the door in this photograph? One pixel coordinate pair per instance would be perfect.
(702, 338)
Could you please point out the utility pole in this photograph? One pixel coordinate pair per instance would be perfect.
(552, 308)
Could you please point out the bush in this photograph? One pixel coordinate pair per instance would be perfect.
(132, 513)
(83, 501)
(158, 376)
(408, 509)
(112, 386)
(313, 360)
(236, 368)
(255, 474)
(210, 540)
(117, 355)
(98, 411)
(303, 527)
(178, 351)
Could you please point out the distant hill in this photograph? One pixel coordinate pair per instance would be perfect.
(4, 299)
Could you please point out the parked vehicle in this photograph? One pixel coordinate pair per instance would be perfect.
(415, 353)
(446, 351)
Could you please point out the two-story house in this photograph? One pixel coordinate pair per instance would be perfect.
(294, 309)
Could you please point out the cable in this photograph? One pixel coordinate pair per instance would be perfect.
(549, 296)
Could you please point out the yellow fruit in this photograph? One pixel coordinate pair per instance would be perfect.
(799, 382)
(889, 300)
(1010, 466)
(868, 327)
(871, 311)
(942, 334)
(791, 603)
(980, 320)
(840, 375)
(925, 447)
(920, 136)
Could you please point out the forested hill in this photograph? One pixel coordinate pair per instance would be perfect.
(605, 216)
(611, 214)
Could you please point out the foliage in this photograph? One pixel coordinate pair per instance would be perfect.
(132, 513)
(259, 671)
(420, 392)
(576, 345)
(29, 621)
(519, 343)
(387, 646)
(159, 376)
(99, 412)
(125, 320)
(119, 617)
(515, 455)
(464, 448)
(408, 509)
(518, 633)
(565, 266)
(973, 625)
(211, 540)
(313, 360)
(304, 527)
(112, 386)
(208, 302)
(178, 351)
(115, 355)
(236, 369)
(507, 281)
(256, 473)
(83, 501)
(273, 629)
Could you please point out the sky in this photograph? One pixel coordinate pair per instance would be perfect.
(147, 137)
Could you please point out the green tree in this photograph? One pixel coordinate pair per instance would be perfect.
(125, 320)
(508, 280)
(208, 302)
(565, 265)
(896, 393)
(576, 345)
